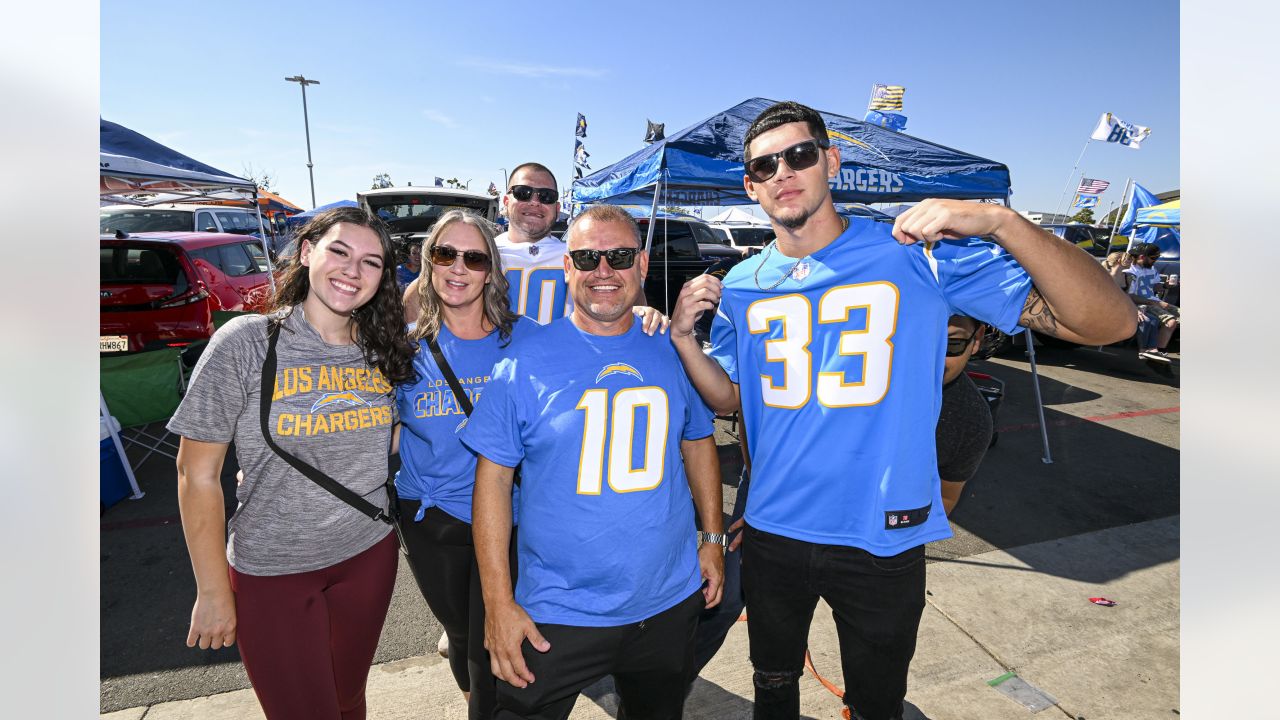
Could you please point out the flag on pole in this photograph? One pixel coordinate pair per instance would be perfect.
(886, 97)
(892, 121)
(581, 129)
(439, 182)
(493, 189)
(580, 155)
(1084, 201)
(1092, 187)
(1142, 197)
(1113, 129)
(654, 132)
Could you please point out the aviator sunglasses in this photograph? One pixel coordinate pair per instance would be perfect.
(523, 193)
(800, 156)
(619, 258)
(444, 256)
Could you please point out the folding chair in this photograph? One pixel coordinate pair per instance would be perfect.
(142, 390)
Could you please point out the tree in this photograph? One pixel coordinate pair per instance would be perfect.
(263, 178)
(458, 184)
(382, 180)
(1084, 216)
(677, 210)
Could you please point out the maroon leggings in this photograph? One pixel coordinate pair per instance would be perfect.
(307, 639)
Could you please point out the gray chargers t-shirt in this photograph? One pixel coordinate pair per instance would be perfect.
(330, 410)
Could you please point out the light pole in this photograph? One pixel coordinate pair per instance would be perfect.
(504, 179)
(303, 83)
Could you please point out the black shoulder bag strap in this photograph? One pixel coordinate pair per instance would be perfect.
(445, 369)
(342, 492)
(459, 394)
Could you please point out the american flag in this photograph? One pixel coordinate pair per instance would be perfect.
(1092, 187)
(886, 97)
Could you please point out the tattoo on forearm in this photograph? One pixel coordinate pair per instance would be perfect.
(1037, 315)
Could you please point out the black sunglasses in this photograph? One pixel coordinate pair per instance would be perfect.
(800, 156)
(619, 258)
(444, 256)
(957, 346)
(523, 193)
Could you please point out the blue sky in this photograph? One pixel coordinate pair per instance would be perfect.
(463, 89)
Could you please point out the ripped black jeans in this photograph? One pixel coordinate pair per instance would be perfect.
(876, 602)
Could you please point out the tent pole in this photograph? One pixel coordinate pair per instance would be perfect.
(262, 237)
(115, 439)
(1071, 175)
(1035, 385)
(1115, 221)
(653, 213)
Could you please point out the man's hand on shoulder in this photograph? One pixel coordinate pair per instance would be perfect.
(506, 625)
(936, 219)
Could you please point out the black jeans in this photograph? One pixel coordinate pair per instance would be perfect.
(876, 602)
(443, 560)
(650, 663)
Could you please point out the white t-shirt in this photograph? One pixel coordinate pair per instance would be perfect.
(1144, 281)
(535, 274)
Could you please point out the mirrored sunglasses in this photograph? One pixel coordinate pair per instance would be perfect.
(619, 258)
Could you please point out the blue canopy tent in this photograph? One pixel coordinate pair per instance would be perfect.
(302, 217)
(702, 165)
(1161, 225)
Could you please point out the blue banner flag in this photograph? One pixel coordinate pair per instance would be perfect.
(581, 129)
(580, 155)
(1085, 201)
(1142, 197)
(892, 121)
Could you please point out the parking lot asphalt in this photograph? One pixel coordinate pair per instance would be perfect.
(1028, 533)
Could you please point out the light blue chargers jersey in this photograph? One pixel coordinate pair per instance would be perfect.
(436, 468)
(606, 517)
(840, 373)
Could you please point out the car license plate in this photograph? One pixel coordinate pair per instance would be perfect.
(113, 343)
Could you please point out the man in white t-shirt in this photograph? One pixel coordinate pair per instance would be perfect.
(1143, 279)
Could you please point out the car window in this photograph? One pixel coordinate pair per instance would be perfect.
(127, 265)
(674, 235)
(144, 220)
(240, 223)
(235, 261)
(254, 251)
(752, 237)
(205, 223)
(209, 255)
(703, 234)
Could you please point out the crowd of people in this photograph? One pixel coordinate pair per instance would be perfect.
(559, 498)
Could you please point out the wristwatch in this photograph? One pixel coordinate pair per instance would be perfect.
(718, 538)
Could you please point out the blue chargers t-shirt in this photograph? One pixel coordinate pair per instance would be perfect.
(606, 517)
(435, 467)
(839, 367)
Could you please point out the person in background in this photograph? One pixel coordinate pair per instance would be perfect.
(964, 421)
(407, 271)
(1149, 324)
(462, 307)
(305, 579)
(1143, 287)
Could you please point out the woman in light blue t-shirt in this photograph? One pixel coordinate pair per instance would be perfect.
(462, 305)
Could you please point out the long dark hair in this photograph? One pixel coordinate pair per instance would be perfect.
(379, 323)
(497, 306)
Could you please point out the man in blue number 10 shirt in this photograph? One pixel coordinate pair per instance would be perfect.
(831, 343)
(615, 450)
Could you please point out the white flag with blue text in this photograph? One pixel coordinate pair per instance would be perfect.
(1113, 129)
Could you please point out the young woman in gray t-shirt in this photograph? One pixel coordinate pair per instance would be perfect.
(306, 579)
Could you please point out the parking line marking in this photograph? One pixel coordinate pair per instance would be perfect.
(1095, 418)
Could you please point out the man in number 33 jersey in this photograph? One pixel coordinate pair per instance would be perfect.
(831, 343)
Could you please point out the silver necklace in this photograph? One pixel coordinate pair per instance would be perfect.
(796, 266)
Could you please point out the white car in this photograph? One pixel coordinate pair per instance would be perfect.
(748, 239)
(411, 211)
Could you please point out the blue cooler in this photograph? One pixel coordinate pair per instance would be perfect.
(114, 481)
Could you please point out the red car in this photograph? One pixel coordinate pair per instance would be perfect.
(161, 289)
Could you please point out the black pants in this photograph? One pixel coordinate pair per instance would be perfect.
(443, 560)
(876, 602)
(650, 662)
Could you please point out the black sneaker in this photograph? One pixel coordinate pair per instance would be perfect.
(1156, 355)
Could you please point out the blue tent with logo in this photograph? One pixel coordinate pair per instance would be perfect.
(702, 165)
